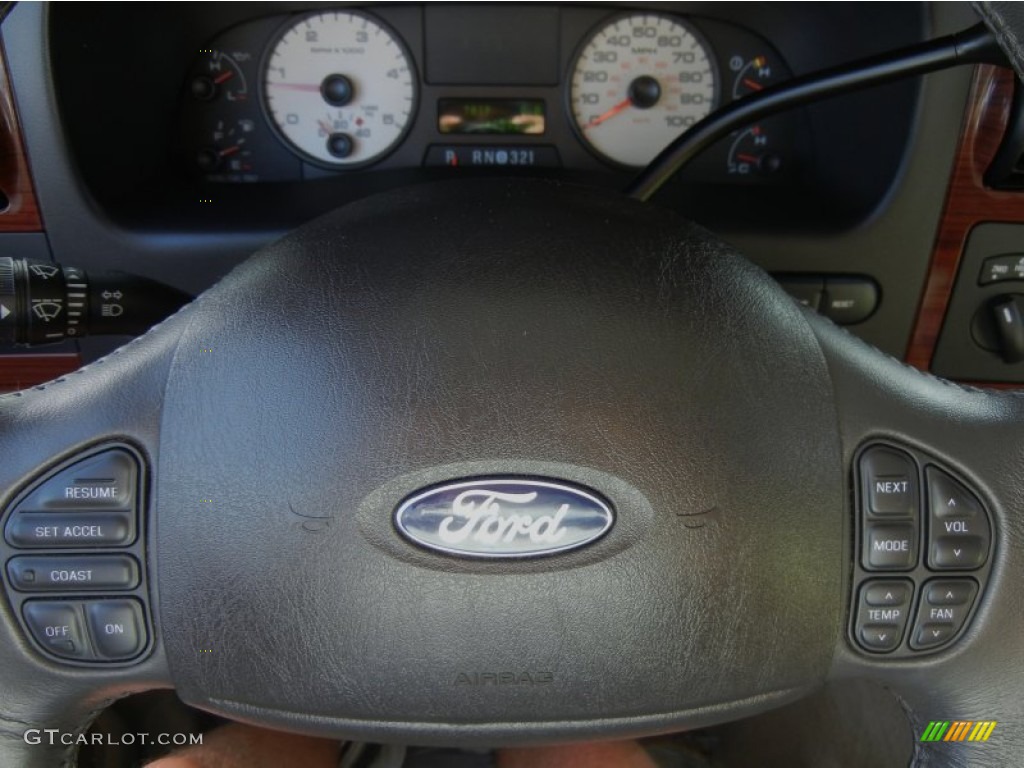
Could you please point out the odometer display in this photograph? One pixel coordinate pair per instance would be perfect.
(497, 116)
(638, 83)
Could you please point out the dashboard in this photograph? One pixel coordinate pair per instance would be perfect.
(173, 140)
(268, 99)
(232, 106)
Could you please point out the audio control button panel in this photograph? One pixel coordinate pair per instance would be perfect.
(74, 558)
(925, 541)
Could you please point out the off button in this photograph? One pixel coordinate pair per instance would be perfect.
(55, 626)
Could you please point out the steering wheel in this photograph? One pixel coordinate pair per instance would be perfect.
(505, 461)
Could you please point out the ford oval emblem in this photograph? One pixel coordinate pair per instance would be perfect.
(504, 518)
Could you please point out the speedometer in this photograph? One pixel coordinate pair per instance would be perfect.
(639, 82)
(339, 88)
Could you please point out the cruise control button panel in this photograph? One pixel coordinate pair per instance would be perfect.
(925, 541)
(74, 558)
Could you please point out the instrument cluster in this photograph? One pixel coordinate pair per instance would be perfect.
(324, 93)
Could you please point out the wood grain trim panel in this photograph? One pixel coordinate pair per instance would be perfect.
(23, 371)
(22, 211)
(968, 202)
(20, 371)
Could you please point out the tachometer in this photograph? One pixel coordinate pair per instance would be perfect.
(639, 82)
(339, 87)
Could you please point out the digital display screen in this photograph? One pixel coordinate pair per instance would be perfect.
(501, 117)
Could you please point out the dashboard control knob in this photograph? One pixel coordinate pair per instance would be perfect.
(998, 326)
(1009, 325)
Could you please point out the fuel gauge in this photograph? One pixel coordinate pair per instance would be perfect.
(227, 155)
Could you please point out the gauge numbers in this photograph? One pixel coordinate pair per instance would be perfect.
(339, 88)
(638, 83)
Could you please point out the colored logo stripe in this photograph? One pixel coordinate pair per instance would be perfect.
(958, 730)
(935, 730)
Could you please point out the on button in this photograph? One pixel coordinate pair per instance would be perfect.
(117, 628)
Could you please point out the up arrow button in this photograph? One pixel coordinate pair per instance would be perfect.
(948, 497)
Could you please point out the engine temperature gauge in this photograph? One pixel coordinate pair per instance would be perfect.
(751, 153)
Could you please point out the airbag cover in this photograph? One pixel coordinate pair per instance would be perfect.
(496, 329)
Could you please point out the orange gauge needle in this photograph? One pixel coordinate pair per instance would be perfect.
(223, 77)
(624, 104)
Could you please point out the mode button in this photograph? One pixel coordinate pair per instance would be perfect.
(890, 547)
